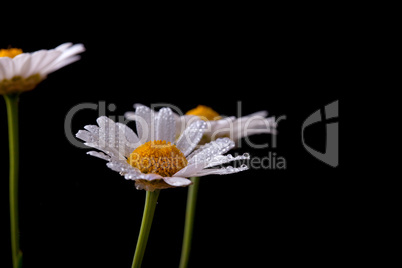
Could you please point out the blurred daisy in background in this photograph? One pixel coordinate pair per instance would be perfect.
(21, 72)
(219, 126)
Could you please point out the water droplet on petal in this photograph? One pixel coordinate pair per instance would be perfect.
(230, 168)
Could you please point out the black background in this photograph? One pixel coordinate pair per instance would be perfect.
(75, 212)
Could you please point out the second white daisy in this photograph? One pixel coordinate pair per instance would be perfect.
(222, 126)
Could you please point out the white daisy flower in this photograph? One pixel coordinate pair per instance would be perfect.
(153, 158)
(21, 72)
(219, 126)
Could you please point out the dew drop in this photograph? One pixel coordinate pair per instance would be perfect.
(230, 168)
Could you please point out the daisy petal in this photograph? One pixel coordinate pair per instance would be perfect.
(107, 130)
(67, 55)
(63, 46)
(129, 172)
(59, 64)
(106, 149)
(48, 59)
(209, 150)
(36, 59)
(2, 71)
(136, 105)
(221, 171)
(115, 139)
(117, 136)
(6, 68)
(191, 137)
(223, 159)
(183, 121)
(86, 136)
(253, 124)
(143, 117)
(92, 128)
(130, 115)
(165, 125)
(127, 132)
(190, 170)
(71, 51)
(126, 138)
(22, 64)
(99, 155)
(150, 177)
(177, 181)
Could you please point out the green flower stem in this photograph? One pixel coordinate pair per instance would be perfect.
(147, 217)
(12, 115)
(189, 222)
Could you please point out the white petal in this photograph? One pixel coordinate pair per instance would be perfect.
(251, 125)
(99, 155)
(129, 172)
(6, 68)
(48, 60)
(221, 171)
(36, 59)
(143, 117)
(60, 64)
(114, 135)
(177, 181)
(112, 152)
(183, 121)
(2, 71)
(191, 137)
(130, 115)
(136, 105)
(165, 125)
(222, 159)
(92, 128)
(209, 150)
(221, 128)
(150, 177)
(87, 136)
(131, 138)
(72, 51)
(190, 170)
(224, 123)
(115, 139)
(68, 55)
(22, 64)
(63, 46)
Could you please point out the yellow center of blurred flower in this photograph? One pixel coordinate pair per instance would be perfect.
(205, 113)
(158, 157)
(10, 52)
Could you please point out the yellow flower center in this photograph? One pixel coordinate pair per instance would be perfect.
(10, 52)
(205, 113)
(158, 157)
